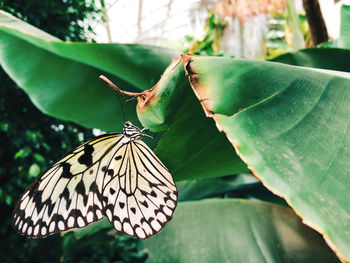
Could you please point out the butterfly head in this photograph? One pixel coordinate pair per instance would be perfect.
(133, 132)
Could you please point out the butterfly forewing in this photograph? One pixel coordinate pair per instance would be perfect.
(66, 196)
(140, 197)
(115, 175)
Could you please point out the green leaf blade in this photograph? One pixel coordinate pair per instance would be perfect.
(294, 134)
(61, 78)
(234, 230)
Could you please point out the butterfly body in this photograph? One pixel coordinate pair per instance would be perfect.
(115, 175)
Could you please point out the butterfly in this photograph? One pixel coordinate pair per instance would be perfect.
(115, 175)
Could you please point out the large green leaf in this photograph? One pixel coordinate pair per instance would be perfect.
(234, 230)
(172, 107)
(61, 78)
(323, 58)
(191, 146)
(291, 126)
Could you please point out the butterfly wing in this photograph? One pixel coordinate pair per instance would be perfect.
(139, 194)
(67, 195)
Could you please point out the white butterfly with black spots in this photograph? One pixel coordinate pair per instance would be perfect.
(115, 175)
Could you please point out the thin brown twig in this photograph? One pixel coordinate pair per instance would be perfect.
(134, 95)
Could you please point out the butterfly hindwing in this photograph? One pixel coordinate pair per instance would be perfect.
(68, 195)
(140, 197)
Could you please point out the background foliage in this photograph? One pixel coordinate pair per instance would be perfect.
(66, 20)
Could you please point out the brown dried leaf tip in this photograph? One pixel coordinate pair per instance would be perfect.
(198, 87)
(187, 61)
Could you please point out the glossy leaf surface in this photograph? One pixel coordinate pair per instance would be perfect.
(291, 128)
(236, 230)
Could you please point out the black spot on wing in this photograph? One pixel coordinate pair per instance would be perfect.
(112, 191)
(80, 188)
(108, 207)
(118, 157)
(86, 158)
(126, 220)
(144, 193)
(65, 194)
(58, 218)
(37, 196)
(69, 201)
(121, 205)
(50, 209)
(66, 173)
(40, 207)
(152, 185)
(93, 188)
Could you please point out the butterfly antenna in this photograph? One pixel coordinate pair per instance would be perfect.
(145, 134)
(112, 85)
(121, 105)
